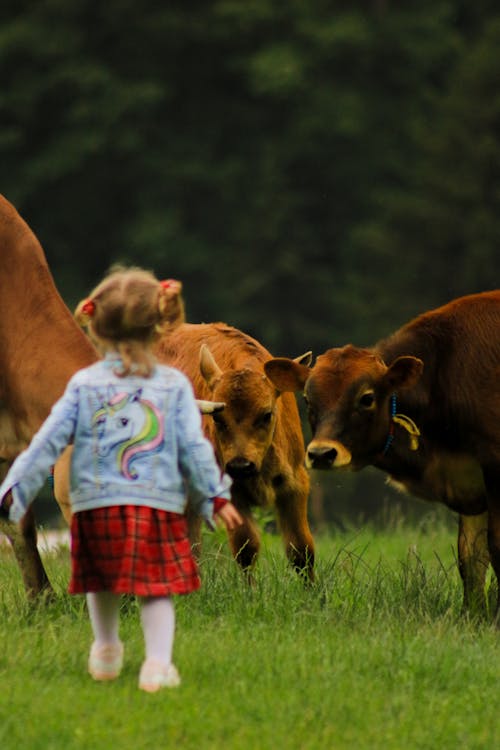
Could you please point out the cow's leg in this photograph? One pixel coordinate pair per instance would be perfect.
(492, 482)
(244, 540)
(194, 530)
(494, 546)
(473, 560)
(291, 508)
(23, 538)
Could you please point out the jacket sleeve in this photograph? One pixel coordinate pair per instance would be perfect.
(31, 468)
(197, 460)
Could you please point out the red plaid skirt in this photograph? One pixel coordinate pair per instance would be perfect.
(131, 549)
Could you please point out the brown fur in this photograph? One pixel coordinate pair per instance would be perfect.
(444, 367)
(257, 437)
(41, 347)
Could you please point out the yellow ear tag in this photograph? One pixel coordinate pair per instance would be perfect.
(411, 428)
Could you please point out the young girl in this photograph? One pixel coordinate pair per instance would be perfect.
(138, 441)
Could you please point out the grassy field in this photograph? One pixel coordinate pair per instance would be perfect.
(375, 655)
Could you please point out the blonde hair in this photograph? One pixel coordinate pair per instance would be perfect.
(127, 312)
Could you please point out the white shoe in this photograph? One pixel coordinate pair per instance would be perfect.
(106, 661)
(155, 675)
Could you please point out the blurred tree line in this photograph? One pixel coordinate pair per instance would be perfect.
(314, 172)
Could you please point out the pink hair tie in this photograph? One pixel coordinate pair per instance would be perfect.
(88, 308)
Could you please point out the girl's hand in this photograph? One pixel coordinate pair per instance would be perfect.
(230, 516)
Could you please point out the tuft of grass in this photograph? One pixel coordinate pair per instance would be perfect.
(375, 654)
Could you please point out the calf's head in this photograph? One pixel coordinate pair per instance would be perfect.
(347, 393)
(244, 430)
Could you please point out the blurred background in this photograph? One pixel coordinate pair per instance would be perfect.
(315, 173)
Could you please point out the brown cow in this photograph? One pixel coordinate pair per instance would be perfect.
(257, 437)
(41, 347)
(423, 406)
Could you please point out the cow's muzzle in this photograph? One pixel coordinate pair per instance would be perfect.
(241, 468)
(327, 454)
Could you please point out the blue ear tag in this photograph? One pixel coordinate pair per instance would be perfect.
(390, 436)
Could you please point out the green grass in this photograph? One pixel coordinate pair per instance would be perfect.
(375, 655)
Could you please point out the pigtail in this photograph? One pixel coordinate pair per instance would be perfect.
(85, 311)
(170, 305)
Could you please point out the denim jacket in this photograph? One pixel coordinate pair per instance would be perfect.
(137, 441)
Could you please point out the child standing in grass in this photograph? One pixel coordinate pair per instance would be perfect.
(138, 440)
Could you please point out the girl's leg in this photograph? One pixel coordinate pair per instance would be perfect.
(106, 653)
(158, 624)
(104, 613)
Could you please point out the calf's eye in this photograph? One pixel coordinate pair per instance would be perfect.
(219, 422)
(264, 419)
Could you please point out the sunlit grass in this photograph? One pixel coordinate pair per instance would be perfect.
(375, 654)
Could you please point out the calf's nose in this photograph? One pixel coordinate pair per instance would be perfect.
(240, 467)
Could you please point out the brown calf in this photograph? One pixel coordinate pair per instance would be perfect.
(41, 346)
(423, 406)
(257, 437)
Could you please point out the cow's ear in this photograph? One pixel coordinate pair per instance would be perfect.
(208, 366)
(404, 372)
(286, 374)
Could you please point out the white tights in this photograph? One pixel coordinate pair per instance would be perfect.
(157, 619)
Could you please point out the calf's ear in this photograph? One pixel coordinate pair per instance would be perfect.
(286, 374)
(404, 372)
(208, 366)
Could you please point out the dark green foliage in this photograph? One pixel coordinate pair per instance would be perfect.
(314, 172)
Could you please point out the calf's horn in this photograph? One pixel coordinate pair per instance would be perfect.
(210, 407)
